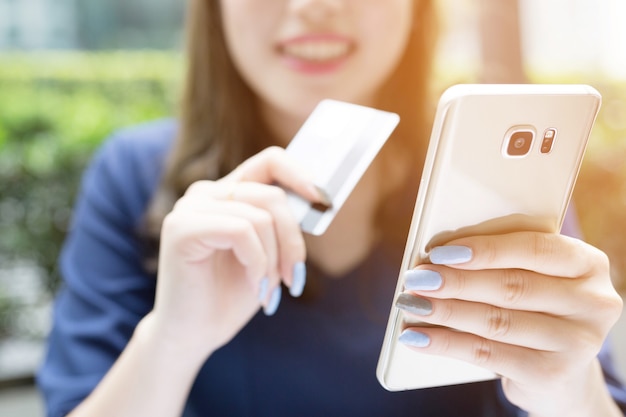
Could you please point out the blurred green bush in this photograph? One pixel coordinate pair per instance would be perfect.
(55, 108)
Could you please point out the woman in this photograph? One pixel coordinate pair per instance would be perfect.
(202, 195)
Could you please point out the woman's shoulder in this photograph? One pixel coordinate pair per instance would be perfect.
(138, 152)
(143, 141)
(127, 167)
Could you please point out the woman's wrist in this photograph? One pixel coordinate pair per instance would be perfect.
(599, 401)
(152, 376)
(591, 399)
(188, 354)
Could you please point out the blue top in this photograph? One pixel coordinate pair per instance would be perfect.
(314, 357)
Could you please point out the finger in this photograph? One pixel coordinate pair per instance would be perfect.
(509, 361)
(533, 330)
(509, 288)
(263, 224)
(291, 246)
(274, 165)
(195, 240)
(289, 240)
(261, 205)
(546, 253)
(238, 235)
(195, 203)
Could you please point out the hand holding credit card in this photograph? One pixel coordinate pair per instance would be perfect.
(336, 144)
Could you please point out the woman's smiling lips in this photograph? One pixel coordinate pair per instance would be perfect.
(315, 53)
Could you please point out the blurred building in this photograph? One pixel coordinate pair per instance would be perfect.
(90, 24)
(34, 24)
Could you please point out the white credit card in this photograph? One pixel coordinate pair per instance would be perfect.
(336, 144)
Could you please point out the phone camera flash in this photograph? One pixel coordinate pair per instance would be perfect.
(548, 140)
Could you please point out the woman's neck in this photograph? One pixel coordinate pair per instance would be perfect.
(281, 125)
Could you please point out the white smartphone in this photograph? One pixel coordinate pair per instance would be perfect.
(501, 158)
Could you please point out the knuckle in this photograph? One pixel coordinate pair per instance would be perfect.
(601, 260)
(263, 219)
(198, 186)
(273, 152)
(243, 229)
(170, 220)
(498, 322)
(617, 303)
(588, 260)
(482, 352)
(490, 251)
(193, 188)
(515, 286)
(174, 227)
(277, 194)
(180, 204)
(541, 243)
(608, 306)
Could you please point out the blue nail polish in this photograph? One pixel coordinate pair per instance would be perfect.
(422, 280)
(450, 255)
(414, 338)
(414, 305)
(299, 279)
(263, 287)
(272, 306)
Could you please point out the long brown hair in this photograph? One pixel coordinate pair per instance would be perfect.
(219, 125)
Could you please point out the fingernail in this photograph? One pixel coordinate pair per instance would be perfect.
(422, 280)
(414, 338)
(414, 305)
(263, 287)
(299, 279)
(450, 255)
(272, 306)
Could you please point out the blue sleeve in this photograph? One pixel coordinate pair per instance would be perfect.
(614, 381)
(105, 290)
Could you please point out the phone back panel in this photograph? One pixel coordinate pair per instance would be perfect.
(475, 183)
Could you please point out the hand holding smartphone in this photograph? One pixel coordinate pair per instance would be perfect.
(501, 158)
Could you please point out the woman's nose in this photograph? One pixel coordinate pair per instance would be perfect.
(315, 10)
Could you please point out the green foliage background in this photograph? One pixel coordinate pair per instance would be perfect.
(56, 108)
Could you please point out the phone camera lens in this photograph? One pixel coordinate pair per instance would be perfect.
(519, 143)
